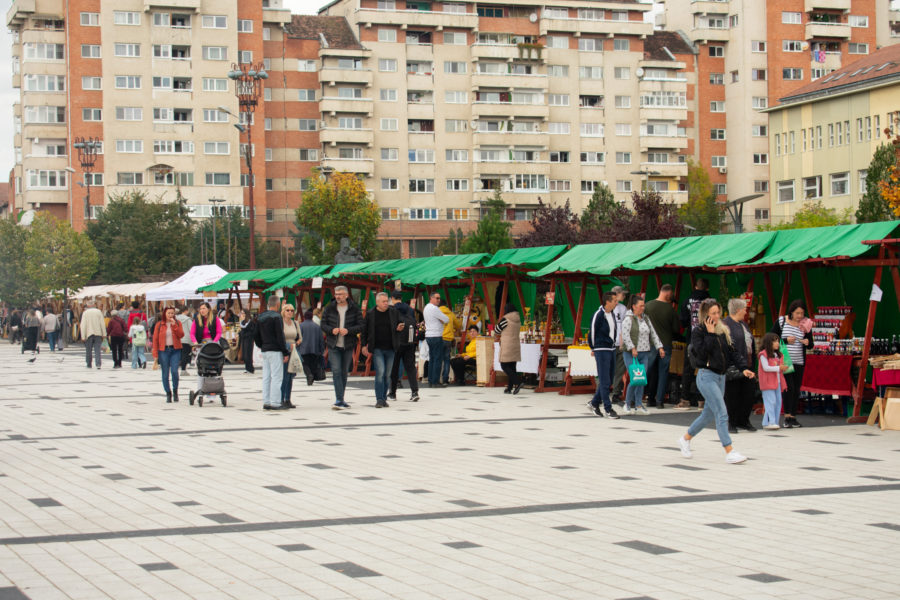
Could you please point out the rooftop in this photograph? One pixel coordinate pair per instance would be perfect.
(655, 46)
(335, 30)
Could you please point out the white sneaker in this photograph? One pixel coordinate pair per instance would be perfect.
(643, 410)
(772, 427)
(734, 457)
(685, 446)
(628, 411)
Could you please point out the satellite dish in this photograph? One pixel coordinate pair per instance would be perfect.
(533, 17)
(639, 72)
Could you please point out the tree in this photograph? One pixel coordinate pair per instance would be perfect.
(17, 288)
(334, 208)
(872, 206)
(889, 185)
(450, 244)
(701, 211)
(138, 237)
(812, 214)
(599, 214)
(59, 258)
(551, 225)
(651, 218)
(492, 233)
(232, 244)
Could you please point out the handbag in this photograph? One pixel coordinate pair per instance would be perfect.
(787, 358)
(637, 374)
(733, 373)
(295, 364)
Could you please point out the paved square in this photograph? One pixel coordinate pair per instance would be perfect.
(108, 492)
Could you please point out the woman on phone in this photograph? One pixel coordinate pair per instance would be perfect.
(167, 350)
(712, 352)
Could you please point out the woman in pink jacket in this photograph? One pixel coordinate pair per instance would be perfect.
(771, 379)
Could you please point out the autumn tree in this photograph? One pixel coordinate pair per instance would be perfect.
(493, 232)
(650, 218)
(812, 214)
(889, 186)
(17, 288)
(872, 206)
(701, 211)
(551, 225)
(333, 208)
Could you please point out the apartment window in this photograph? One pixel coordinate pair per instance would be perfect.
(760, 130)
(592, 129)
(858, 49)
(812, 187)
(456, 38)
(717, 134)
(389, 124)
(215, 53)
(159, 83)
(720, 189)
(560, 185)
(558, 128)
(456, 125)
(46, 179)
(306, 125)
(558, 99)
(421, 156)
(91, 114)
(421, 186)
(214, 115)
(733, 21)
(530, 182)
(211, 84)
(791, 18)
(717, 106)
(423, 214)
(596, 158)
(455, 97)
(129, 113)
(623, 185)
(559, 157)
(38, 51)
(46, 83)
(860, 132)
(245, 26)
(309, 66)
(735, 77)
(121, 17)
(387, 35)
(759, 74)
(90, 19)
(269, 154)
(840, 184)
(819, 135)
(622, 73)
(757, 46)
(216, 148)
(623, 101)
(389, 154)
(558, 70)
(831, 135)
(218, 178)
(267, 124)
(390, 184)
(590, 44)
(130, 146)
(456, 155)
(489, 12)
(789, 74)
(45, 114)
(590, 72)
(760, 102)
(454, 67)
(457, 185)
(309, 154)
(621, 45)
(310, 95)
(128, 82)
(777, 144)
(90, 51)
(588, 187)
(387, 95)
(173, 147)
(760, 158)
(793, 142)
(387, 65)
(862, 174)
(623, 158)
(245, 57)
(719, 162)
(791, 45)
(761, 186)
(558, 41)
(803, 140)
(623, 128)
(214, 22)
(717, 78)
(127, 50)
(858, 21)
(717, 51)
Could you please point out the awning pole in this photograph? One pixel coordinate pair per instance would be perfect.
(578, 313)
(867, 343)
(545, 344)
(810, 309)
(785, 293)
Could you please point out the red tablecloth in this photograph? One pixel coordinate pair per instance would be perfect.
(882, 377)
(829, 375)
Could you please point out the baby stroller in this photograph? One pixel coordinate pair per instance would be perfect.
(210, 361)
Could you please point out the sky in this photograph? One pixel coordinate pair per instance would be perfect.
(8, 94)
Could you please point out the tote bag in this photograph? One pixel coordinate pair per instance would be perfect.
(787, 358)
(637, 374)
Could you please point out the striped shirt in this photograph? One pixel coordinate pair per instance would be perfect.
(795, 350)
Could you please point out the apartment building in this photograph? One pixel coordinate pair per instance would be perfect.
(146, 78)
(544, 101)
(750, 55)
(823, 135)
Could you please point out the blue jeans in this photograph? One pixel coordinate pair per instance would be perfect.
(662, 382)
(168, 363)
(271, 380)
(287, 383)
(51, 339)
(606, 366)
(137, 356)
(634, 397)
(445, 362)
(382, 360)
(772, 402)
(340, 360)
(435, 358)
(712, 388)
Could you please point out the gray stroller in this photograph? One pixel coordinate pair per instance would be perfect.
(210, 362)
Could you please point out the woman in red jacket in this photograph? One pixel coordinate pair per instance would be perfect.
(167, 350)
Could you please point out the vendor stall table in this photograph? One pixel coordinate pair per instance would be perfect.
(531, 358)
(828, 375)
(886, 377)
(581, 364)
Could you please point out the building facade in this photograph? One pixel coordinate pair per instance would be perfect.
(751, 54)
(823, 135)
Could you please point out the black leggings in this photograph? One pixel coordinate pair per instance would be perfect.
(117, 348)
(247, 354)
(792, 396)
(512, 376)
(405, 354)
(740, 395)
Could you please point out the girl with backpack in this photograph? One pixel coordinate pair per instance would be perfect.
(771, 379)
(138, 335)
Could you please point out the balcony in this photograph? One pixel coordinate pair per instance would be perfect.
(507, 52)
(663, 113)
(595, 27)
(817, 30)
(710, 34)
(188, 5)
(811, 5)
(705, 7)
(350, 165)
(276, 15)
(335, 136)
(420, 110)
(508, 80)
(416, 18)
(17, 80)
(672, 142)
(507, 138)
(18, 12)
(672, 169)
(335, 105)
(334, 76)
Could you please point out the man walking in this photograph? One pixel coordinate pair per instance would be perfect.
(602, 340)
(342, 322)
(619, 315)
(435, 320)
(50, 325)
(406, 348)
(312, 348)
(379, 340)
(93, 331)
(665, 321)
(270, 339)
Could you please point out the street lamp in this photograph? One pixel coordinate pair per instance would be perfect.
(215, 234)
(735, 210)
(87, 156)
(248, 87)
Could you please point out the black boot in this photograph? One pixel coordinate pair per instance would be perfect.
(175, 395)
(168, 397)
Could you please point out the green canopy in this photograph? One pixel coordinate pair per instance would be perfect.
(302, 273)
(529, 258)
(600, 259)
(706, 251)
(434, 269)
(227, 281)
(797, 245)
(372, 266)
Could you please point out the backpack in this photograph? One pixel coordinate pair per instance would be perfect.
(140, 336)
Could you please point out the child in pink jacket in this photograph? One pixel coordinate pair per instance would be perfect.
(771, 379)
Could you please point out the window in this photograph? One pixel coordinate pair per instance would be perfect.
(590, 72)
(216, 148)
(218, 179)
(388, 65)
(90, 19)
(214, 22)
(623, 158)
(858, 48)
(90, 51)
(129, 113)
(758, 74)
(735, 77)
(173, 147)
(592, 129)
(267, 124)
(761, 186)
(306, 124)
(791, 45)
(388, 95)
(560, 185)
(309, 154)
(245, 57)
(558, 128)
(530, 182)
(720, 189)
(717, 51)
(387, 35)
(215, 53)
(456, 155)
(717, 134)
(91, 114)
(46, 179)
(128, 82)
(819, 135)
(126, 178)
(45, 114)
(457, 185)
(558, 99)
(623, 186)
(831, 135)
(559, 157)
(622, 73)
(454, 67)
(421, 186)
(130, 146)
(454, 38)
(778, 144)
(456, 125)
(389, 124)
(389, 154)
(421, 156)
(717, 106)
(36, 51)
(121, 17)
(719, 162)
(588, 187)
(623, 101)
(593, 158)
(590, 44)
(862, 174)
(733, 21)
(127, 50)
(760, 158)
(622, 45)
(840, 184)
(91, 83)
(793, 142)
(858, 21)
(214, 115)
(558, 41)
(717, 78)
(555, 12)
(306, 66)
(455, 97)
(161, 20)
(791, 18)
(390, 184)
(427, 214)
(211, 84)
(93, 179)
(789, 74)
(623, 128)
(757, 46)
(812, 187)
(760, 130)
(245, 26)
(46, 83)
(310, 95)
(760, 102)
(159, 83)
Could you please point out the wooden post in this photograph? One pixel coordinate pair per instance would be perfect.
(488, 304)
(867, 343)
(785, 294)
(465, 317)
(658, 279)
(519, 292)
(807, 296)
(644, 284)
(578, 313)
(678, 277)
(545, 345)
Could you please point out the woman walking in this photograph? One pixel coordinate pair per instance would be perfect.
(771, 379)
(292, 341)
(740, 392)
(116, 331)
(788, 328)
(507, 332)
(51, 326)
(711, 352)
(32, 328)
(167, 350)
(138, 334)
(245, 339)
(639, 340)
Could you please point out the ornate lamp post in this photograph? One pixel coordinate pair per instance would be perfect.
(87, 156)
(248, 88)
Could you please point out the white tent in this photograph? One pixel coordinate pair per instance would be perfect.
(185, 287)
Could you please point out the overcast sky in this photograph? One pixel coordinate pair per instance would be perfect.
(8, 94)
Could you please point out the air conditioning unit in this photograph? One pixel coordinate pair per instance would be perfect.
(723, 170)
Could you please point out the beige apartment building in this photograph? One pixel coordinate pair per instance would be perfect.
(823, 135)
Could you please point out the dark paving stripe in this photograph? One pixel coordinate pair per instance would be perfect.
(461, 545)
(418, 491)
(281, 489)
(764, 577)
(467, 503)
(684, 488)
(812, 511)
(646, 547)
(295, 547)
(456, 514)
(571, 528)
(725, 526)
(862, 458)
(44, 502)
(12, 593)
(352, 569)
(160, 566)
(627, 478)
(685, 467)
(891, 526)
(222, 518)
(490, 477)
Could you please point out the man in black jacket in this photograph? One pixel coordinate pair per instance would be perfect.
(379, 340)
(602, 339)
(689, 321)
(342, 322)
(270, 339)
(406, 348)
